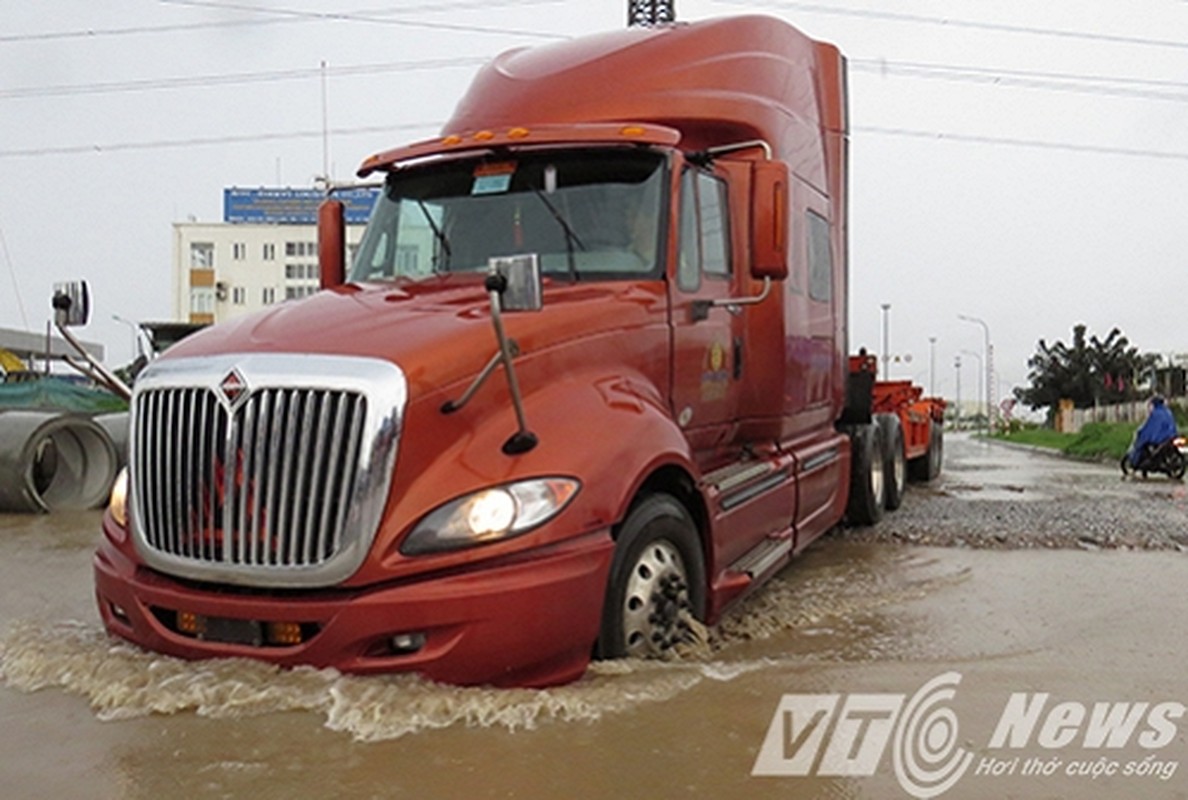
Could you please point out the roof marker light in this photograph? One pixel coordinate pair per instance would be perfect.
(517, 133)
(452, 139)
(484, 136)
(632, 130)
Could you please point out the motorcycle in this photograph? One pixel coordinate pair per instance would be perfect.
(1170, 458)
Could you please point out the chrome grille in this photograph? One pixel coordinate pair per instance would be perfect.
(273, 482)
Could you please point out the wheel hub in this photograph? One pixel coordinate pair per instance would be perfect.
(656, 602)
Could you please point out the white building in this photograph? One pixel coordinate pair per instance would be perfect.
(264, 252)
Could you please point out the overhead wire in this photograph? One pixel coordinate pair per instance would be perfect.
(1090, 84)
(364, 17)
(183, 27)
(1102, 85)
(16, 287)
(938, 136)
(1105, 85)
(950, 22)
(966, 138)
(224, 79)
(197, 141)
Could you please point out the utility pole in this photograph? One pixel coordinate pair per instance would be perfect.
(957, 364)
(325, 130)
(932, 365)
(649, 13)
(988, 366)
(886, 341)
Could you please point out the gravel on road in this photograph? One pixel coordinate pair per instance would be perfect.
(994, 497)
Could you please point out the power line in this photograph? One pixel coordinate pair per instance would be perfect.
(161, 144)
(268, 76)
(940, 136)
(1086, 84)
(870, 63)
(999, 27)
(1030, 79)
(16, 287)
(336, 16)
(185, 27)
(936, 136)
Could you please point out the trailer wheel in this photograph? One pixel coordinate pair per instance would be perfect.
(867, 478)
(928, 466)
(657, 578)
(894, 461)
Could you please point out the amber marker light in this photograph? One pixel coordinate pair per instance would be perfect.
(190, 623)
(632, 130)
(518, 133)
(484, 136)
(452, 140)
(283, 633)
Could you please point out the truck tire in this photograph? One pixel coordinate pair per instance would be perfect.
(867, 479)
(928, 466)
(894, 461)
(657, 577)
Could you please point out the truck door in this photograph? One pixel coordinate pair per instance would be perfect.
(704, 341)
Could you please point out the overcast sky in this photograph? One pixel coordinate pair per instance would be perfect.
(1020, 162)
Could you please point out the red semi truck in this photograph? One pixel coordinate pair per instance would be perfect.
(586, 375)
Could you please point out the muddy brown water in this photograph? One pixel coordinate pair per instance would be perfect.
(82, 716)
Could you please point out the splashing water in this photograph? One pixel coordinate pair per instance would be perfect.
(121, 681)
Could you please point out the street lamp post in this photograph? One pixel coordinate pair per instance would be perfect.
(978, 373)
(987, 365)
(135, 335)
(886, 340)
(957, 365)
(932, 365)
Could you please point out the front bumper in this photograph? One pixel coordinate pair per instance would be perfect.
(528, 622)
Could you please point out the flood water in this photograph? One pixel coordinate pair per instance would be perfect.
(82, 716)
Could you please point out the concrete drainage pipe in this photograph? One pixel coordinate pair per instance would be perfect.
(50, 461)
(116, 425)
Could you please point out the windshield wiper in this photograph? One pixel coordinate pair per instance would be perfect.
(441, 238)
(571, 237)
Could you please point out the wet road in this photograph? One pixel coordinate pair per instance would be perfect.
(865, 670)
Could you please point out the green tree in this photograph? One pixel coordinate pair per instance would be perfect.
(1089, 371)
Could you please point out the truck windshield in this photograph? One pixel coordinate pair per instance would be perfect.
(588, 215)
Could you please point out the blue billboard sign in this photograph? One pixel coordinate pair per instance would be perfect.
(280, 206)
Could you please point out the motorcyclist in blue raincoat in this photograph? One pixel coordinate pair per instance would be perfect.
(1159, 427)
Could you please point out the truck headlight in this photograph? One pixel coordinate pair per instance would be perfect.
(490, 515)
(118, 502)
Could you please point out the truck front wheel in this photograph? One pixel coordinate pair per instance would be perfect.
(657, 581)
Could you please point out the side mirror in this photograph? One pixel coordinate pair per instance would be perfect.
(521, 283)
(72, 304)
(769, 220)
(72, 308)
(513, 284)
(331, 243)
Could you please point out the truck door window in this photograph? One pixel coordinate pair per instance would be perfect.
(711, 203)
(820, 258)
(705, 235)
(689, 258)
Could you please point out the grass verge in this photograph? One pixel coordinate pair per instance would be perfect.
(1097, 440)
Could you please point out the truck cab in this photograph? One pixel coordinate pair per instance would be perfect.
(584, 380)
